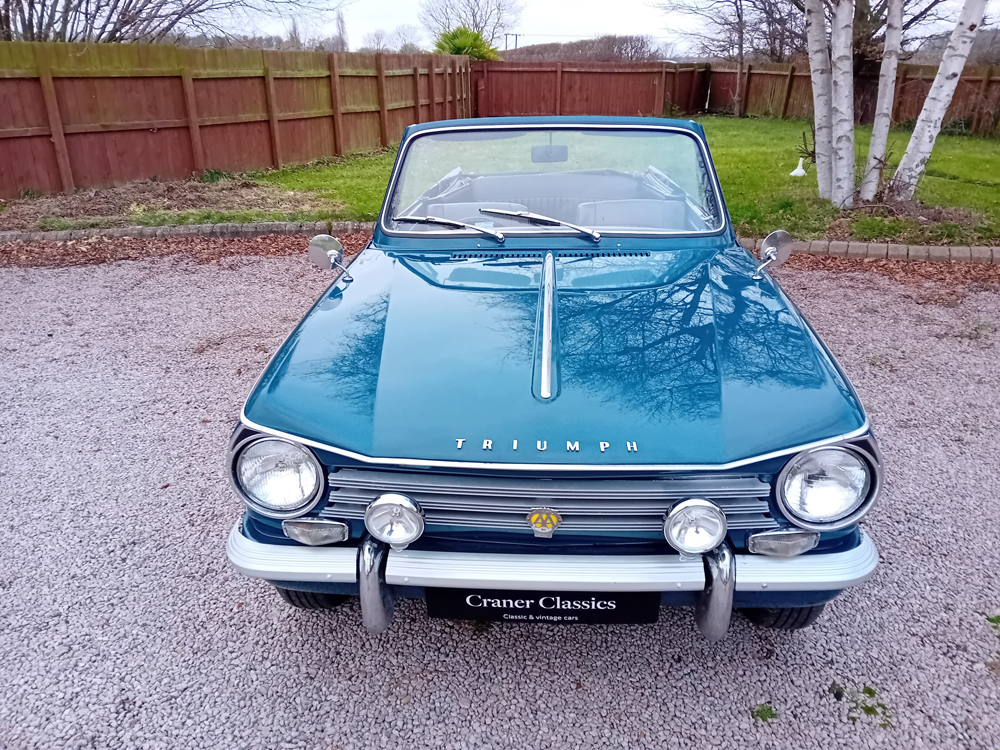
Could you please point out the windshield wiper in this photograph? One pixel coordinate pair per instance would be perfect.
(498, 236)
(539, 219)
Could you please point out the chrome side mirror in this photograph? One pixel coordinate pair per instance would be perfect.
(327, 253)
(774, 251)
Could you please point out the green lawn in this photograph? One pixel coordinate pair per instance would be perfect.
(358, 181)
(754, 158)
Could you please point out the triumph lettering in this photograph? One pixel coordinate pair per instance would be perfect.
(575, 446)
(604, 446)
(487, 445)
(460, 441)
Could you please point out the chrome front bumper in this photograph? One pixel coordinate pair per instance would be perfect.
(717, 575)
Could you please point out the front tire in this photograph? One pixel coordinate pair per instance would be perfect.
(311, 599)
(790, 618)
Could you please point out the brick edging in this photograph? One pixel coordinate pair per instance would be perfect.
(889, 251)
(881, 250)
(224, 231)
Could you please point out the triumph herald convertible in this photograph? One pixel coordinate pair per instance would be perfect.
(554, 388)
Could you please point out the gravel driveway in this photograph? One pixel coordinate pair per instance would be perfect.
(122, 624)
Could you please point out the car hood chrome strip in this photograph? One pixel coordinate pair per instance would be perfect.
(547, 296)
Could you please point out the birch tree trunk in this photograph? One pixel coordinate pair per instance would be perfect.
(842, 49)
(820, 72)
(911, 166)
(883, 106)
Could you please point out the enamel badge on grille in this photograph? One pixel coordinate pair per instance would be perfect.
(543, 521)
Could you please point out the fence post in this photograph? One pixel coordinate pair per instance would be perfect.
(416, 94)
(900, 80)
(432, 86)
(336, 101)
(693, 90)
(674, 96)
(483, 92)
(272, 113)
(660, 100)
(981, 107)
(446, 72)
(558, 88)
(383, 111)
(741, 105)
(197, 151)
(788, 92)
(55, 119)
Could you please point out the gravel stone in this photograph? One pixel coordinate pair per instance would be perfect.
(122, 624)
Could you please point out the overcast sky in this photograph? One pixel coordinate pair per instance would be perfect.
(541, 21)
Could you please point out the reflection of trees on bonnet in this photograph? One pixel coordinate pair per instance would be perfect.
(661, 350)
(351, 364)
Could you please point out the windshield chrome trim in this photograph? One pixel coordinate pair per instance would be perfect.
(427, 463)
(527, 232)
(548, 293)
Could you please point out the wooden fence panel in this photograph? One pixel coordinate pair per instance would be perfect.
(82, 115)
(79, 115)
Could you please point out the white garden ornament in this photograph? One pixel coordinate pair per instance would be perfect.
(799, 171)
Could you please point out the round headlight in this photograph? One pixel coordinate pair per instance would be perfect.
(695, 526)
(825, 488)
(394, 519)
(278, 478)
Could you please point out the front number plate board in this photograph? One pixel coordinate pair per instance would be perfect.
(565, 607)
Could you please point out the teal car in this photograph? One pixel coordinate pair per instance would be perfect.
(555, 388)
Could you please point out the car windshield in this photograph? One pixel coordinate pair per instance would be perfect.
(554, 180)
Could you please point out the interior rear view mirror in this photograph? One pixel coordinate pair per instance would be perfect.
(549, 153)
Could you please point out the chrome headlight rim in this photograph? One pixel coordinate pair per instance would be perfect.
(307, 506)
(870, 461)
(399, 500)
(698, 503)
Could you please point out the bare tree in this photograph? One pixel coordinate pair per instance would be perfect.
(406, 39)
(723, 34)
(377, 41)
(609, 48)
(489, 18)
(912, 165)
(136, 20)
(883, 106)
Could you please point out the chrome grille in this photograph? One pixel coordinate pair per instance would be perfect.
(587, 505)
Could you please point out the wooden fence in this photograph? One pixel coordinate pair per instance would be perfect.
(580, 88)
(773, 90)
(781, 90)
(82, 115)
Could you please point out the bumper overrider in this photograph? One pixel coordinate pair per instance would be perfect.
(715, 577)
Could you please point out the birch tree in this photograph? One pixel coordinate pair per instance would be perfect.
(842, 50)
(883, 105)
(821, 74)
(925, 133)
